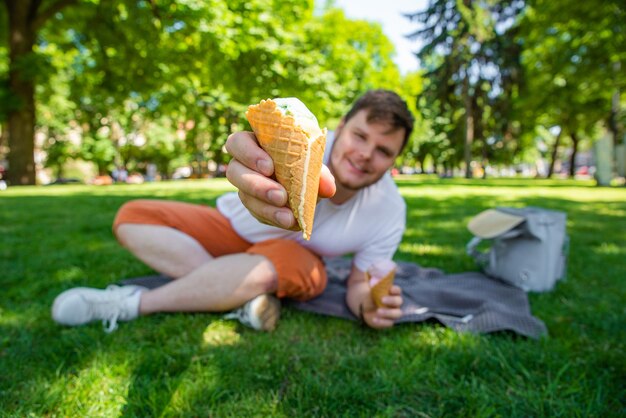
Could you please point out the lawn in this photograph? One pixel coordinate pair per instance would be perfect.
(56, 237)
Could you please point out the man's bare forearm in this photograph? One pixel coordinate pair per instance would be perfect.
(358, 298)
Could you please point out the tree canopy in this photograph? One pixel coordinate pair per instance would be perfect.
(138, 82)
(499, 73)
(166, 82)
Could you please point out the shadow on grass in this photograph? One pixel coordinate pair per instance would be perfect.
(160, 368)
(437, 229)
(314, 366)
(195, 365)
(200, 365)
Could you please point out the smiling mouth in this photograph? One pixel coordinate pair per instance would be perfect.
(357, 167)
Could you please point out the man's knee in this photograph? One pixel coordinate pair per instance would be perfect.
(300, 274)
(264, 273)
(129, 233)
(133, 210)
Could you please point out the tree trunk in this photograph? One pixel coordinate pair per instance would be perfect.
(615, 107)
(25, 19)
(485, 162)
(469, 128)
(572, 158)
(21, 119)
(60, 171)
(553, 154)
(421, 161)
(3, 137)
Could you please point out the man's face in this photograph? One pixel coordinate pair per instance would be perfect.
(363, 151)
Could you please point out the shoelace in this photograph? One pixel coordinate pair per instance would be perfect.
(110, 308)
(110, 325)
(240, 314)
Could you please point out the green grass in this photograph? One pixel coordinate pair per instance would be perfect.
(53, 238)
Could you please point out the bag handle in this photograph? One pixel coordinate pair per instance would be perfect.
(482, 258)
(488, 258)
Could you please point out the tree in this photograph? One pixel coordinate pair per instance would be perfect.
(126, 71)
(471, 65)
(58, 152)
(573, 55)
(25, 18)
(342, 59)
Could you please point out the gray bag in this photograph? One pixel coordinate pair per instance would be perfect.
(529, 246)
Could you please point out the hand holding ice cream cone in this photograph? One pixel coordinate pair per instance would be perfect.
(250, 170)
(290, 134)
(380, 278)
(376, 300)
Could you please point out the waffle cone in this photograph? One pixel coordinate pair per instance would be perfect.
(297, 157)
(381, 288)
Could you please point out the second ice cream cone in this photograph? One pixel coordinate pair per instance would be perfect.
(381, 288)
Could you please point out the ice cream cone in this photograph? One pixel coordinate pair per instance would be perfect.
(381, 288)
(296, 144)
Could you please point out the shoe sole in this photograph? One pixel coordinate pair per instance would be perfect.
(268, 310)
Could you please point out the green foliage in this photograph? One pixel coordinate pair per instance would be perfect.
(573, 56)
(522, 65)
(189, 69)
(174, 365)
(355, 53)
(161, 148)
(99, 151)
(471, 68)
(411, 86)
(58, 152)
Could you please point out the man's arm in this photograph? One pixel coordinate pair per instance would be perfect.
(361, 304)
(250, 171)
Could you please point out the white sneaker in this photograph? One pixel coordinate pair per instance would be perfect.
(81, 305)
(261, 313)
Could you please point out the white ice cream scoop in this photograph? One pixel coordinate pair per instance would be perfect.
(379, 270)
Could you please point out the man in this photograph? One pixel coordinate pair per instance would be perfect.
(245, 254)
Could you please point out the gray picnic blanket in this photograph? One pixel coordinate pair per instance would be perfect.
(465, 302)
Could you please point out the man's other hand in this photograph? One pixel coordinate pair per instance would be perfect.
(385, 316)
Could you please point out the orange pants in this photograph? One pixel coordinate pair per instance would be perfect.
(301, 273)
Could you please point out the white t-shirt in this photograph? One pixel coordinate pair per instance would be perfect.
(369, 225)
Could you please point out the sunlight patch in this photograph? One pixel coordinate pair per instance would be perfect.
(69, 274)
(609, 211)
(426, 249)
(10, 319)
(220, 333)
(608, 248)
(99, 389)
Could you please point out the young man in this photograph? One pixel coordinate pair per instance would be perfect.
(245, 254)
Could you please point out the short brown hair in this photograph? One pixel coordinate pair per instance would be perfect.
(385, 106)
